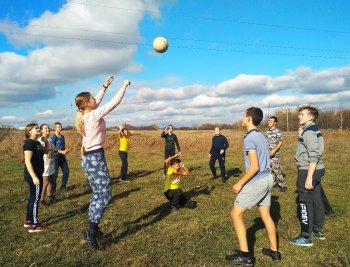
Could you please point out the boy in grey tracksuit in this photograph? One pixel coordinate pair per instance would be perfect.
(310, 171)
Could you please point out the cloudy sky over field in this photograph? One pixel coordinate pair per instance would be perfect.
(223, 57)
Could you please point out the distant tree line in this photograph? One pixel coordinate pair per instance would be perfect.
(287, 121)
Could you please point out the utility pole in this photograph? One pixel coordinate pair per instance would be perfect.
(287, 118)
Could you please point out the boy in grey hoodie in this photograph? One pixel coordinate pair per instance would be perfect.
(310, 171)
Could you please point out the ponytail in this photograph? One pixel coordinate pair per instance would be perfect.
(80, 101)
(79, 124)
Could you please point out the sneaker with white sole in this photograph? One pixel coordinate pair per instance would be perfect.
(26, 224)
(302, 241)
(37, 228)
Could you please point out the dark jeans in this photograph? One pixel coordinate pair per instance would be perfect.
(310, 204)
(124, 169)
(176, 197)
(168, 153)
(33, 201)
(61, 161)
(221, 159)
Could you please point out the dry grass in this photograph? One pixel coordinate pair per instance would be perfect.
(139, 230)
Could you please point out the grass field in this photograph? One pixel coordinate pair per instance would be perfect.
(139, 229)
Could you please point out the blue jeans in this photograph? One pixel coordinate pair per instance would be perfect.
(95, 168)
(60, 161)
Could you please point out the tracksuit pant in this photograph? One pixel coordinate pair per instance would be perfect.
(176, 197)
(95, 168)
(124, 168)
(310, 204)
(221, 159)
(33, 201)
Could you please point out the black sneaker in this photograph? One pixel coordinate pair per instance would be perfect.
(213, 177)
(99, 233)
(239, 259)
(319, 235)
(274, 255)
(223, 180)
(191, 204)
(174, 209)
(283, 188)
(90, 238)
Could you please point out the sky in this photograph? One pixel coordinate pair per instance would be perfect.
(224, 56)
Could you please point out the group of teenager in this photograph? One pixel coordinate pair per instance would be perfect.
(43, 156)
(261, 156)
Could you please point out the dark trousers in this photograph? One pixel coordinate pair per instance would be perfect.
(33, 201)
(221, 159)
(61, 161)
(176, 197)
(327, 206)
(310, 204)
(168, 153)
(124, 168)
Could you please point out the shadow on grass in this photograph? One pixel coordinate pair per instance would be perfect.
(82, 209)
(157, 214)
(236, 172)
(135, 175)
(275, 210)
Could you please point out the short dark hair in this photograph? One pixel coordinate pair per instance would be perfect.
(312, 111)
(274, 118)
(58, 123)
(256, 114)
(170, 125)
(174, 161)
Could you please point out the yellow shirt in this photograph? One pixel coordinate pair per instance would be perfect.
(172, 180)
(123, 142)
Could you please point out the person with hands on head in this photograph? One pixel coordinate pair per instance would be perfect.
(33, 175)
(124, 136)
(92, 126)
(172, 190)
(254, 189)
(218, 148)
(311, 169)
(170, 142)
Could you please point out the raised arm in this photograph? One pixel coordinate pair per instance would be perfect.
(167, 161)
(115, 101)
(103, 89)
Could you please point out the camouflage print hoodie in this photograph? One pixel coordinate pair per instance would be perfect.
(310, 147)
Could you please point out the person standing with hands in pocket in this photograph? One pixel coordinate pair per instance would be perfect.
(219, 146)
(92, 126)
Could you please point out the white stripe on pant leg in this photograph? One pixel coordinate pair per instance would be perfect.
(37, 191)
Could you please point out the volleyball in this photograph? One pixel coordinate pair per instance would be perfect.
(160, 44)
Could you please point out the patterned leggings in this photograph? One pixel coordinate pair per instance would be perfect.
(96, 170)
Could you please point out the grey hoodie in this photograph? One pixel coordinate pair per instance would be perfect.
(310, 147)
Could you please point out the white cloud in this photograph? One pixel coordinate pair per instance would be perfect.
(72, 55)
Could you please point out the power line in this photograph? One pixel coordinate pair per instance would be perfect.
(185, 39)
(179, 47)
(220, 19)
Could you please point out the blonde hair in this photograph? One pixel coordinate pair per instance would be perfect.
(28, 128)
(80, 101)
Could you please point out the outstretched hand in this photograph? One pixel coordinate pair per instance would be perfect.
(126, 83)
(108, 81)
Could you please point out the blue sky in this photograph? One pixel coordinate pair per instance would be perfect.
(223, 57)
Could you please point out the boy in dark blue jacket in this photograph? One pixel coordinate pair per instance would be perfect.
(217, 152)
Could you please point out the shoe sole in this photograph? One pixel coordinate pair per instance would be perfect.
(302, 245)
(36, 231)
